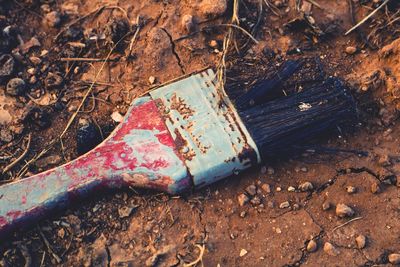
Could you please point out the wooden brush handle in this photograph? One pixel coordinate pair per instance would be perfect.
(140, 152)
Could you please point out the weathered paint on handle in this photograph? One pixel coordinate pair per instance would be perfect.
(185, 134)
(141, 152)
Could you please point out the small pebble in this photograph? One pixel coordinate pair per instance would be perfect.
(351, 189)
(255, 201)
(117, 117)
(152, 79)
(266, 188)
(291, 189)
(213, 44)
(343, 210)
(284, 205)
(243, 199)
(187, 23)
(361, 240)
(251, 190)
(304, 169)
(296, 206)
(350, 50)
(243, 214)
(312, 246)
(35, 60)
(326, 205)
(278, 189)
(330, 249)
(125, 212)
(243, 252)
(306, 186)
(52, 19)
(15, 87)
(394, 258)
(270, 171)
(375, 188)
(263, 170)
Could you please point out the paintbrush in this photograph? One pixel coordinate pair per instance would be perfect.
(182, 136)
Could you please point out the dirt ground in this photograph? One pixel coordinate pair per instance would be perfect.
(57, 47)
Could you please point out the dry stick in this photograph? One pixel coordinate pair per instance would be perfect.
(83, 59)
(346, 223)
(315, 4)
(199, 259)
(367, 17)
(44, 151)
(47, 243)
(12, 164)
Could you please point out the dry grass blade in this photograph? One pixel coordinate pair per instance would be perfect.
(346, 223)
(367, 17)
(199, 258)
(12, 164)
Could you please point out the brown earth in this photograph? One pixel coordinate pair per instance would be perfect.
(208, 224)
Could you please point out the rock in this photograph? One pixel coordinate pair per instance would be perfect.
(243, 199)
(394, 258)
(251, 190)
(291, 189)
(284, 205)
(270, 171)
(351, 189)
(304, 169)
(375, 188)
(296, 206)
(306, 187)
(213, 8)
(52, 19)
(33, 42)
(187, 23)
(343, 211)
(326, 205)
(117, 117)
(7, 67)
(50, 160)
(312, 246)
(350, 50)
(213, 44)
(16, 87)
(87, 136)
(125, 212)
(53, 80)
(255, 201)
(266, 188)
(361, 241)
(330, 249)
(243, 214)
(384, 160)
(243, 252)
(278, 189)
(152, 79)
(35, 60)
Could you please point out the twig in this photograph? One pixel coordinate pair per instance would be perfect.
(315, 4)
(346, 223)
(135, 35)
(199, 259)
(243, 30)
(12, 164)
(367, 17)
(50, 249)
(83, 59)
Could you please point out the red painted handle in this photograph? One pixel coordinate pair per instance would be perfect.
(140, 152)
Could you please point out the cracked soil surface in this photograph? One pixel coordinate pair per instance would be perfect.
(163, 230)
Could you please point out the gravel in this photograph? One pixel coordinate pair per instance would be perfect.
(343, 211)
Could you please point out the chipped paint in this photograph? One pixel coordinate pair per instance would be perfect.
(184, 134)
(207, 130)
(140, 152)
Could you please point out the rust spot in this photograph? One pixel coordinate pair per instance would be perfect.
(248, 153)
(179, 105)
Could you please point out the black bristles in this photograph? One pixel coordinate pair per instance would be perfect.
(268, 88)
(281, 125)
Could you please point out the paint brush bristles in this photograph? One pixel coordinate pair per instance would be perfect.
(280, 125)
